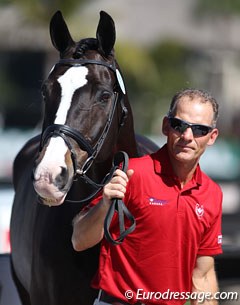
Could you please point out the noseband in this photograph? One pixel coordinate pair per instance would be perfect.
(66, 132)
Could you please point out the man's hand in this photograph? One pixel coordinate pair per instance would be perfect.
(116, 188)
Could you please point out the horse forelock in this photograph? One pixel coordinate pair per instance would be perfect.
(87, 44)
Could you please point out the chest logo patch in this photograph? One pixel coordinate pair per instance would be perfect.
(199, 209)
(155, 201)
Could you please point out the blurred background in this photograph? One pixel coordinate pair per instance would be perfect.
(162, 47)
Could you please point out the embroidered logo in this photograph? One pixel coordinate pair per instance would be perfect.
(155, 201)
(199, 210)
(219, 239)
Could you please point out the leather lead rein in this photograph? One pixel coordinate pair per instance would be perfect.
(120, 208)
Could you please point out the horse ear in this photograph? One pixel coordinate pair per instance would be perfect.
(59, 33)
(106, 34)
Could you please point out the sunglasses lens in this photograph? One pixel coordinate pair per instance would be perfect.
(178, 125)
(181, 126)
(200, 130)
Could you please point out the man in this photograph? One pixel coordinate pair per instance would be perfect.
(169, 257)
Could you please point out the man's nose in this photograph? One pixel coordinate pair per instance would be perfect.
(187, 134)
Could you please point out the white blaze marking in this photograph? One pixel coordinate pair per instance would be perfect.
(53, 160)
(55, 153)
(70, 81)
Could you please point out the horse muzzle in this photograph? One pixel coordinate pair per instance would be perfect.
(54, 172)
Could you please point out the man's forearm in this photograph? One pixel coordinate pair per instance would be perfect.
(88, 227)
(205, 287)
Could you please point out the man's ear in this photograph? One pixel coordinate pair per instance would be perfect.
(213, 137)
(165, 126)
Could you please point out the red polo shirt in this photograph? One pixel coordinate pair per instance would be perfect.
(173, 226)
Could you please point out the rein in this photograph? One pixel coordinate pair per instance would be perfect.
(118, 207)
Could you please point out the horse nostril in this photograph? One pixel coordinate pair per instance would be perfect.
(62, 179)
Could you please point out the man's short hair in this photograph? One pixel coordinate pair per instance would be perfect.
(204, 97)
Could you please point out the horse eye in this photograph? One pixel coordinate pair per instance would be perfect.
(105, 96)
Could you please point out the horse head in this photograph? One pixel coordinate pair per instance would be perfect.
(87, 114)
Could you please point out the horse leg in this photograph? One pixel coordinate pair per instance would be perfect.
(22, 292)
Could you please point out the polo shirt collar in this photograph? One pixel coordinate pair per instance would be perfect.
(163, 166)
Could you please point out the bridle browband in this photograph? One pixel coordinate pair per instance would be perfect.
(82, 62)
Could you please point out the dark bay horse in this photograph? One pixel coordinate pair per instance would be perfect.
(87, 119)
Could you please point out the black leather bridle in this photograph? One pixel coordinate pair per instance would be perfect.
(66, 132)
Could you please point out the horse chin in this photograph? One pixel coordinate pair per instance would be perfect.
(50, 195)
(53, 201)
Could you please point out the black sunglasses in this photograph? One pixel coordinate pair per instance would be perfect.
(181, 126)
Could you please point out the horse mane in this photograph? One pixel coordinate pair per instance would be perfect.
(85, 45)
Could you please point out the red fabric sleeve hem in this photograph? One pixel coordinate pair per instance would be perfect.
(209, 252)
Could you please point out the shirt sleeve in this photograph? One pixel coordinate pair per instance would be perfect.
(211, 243)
